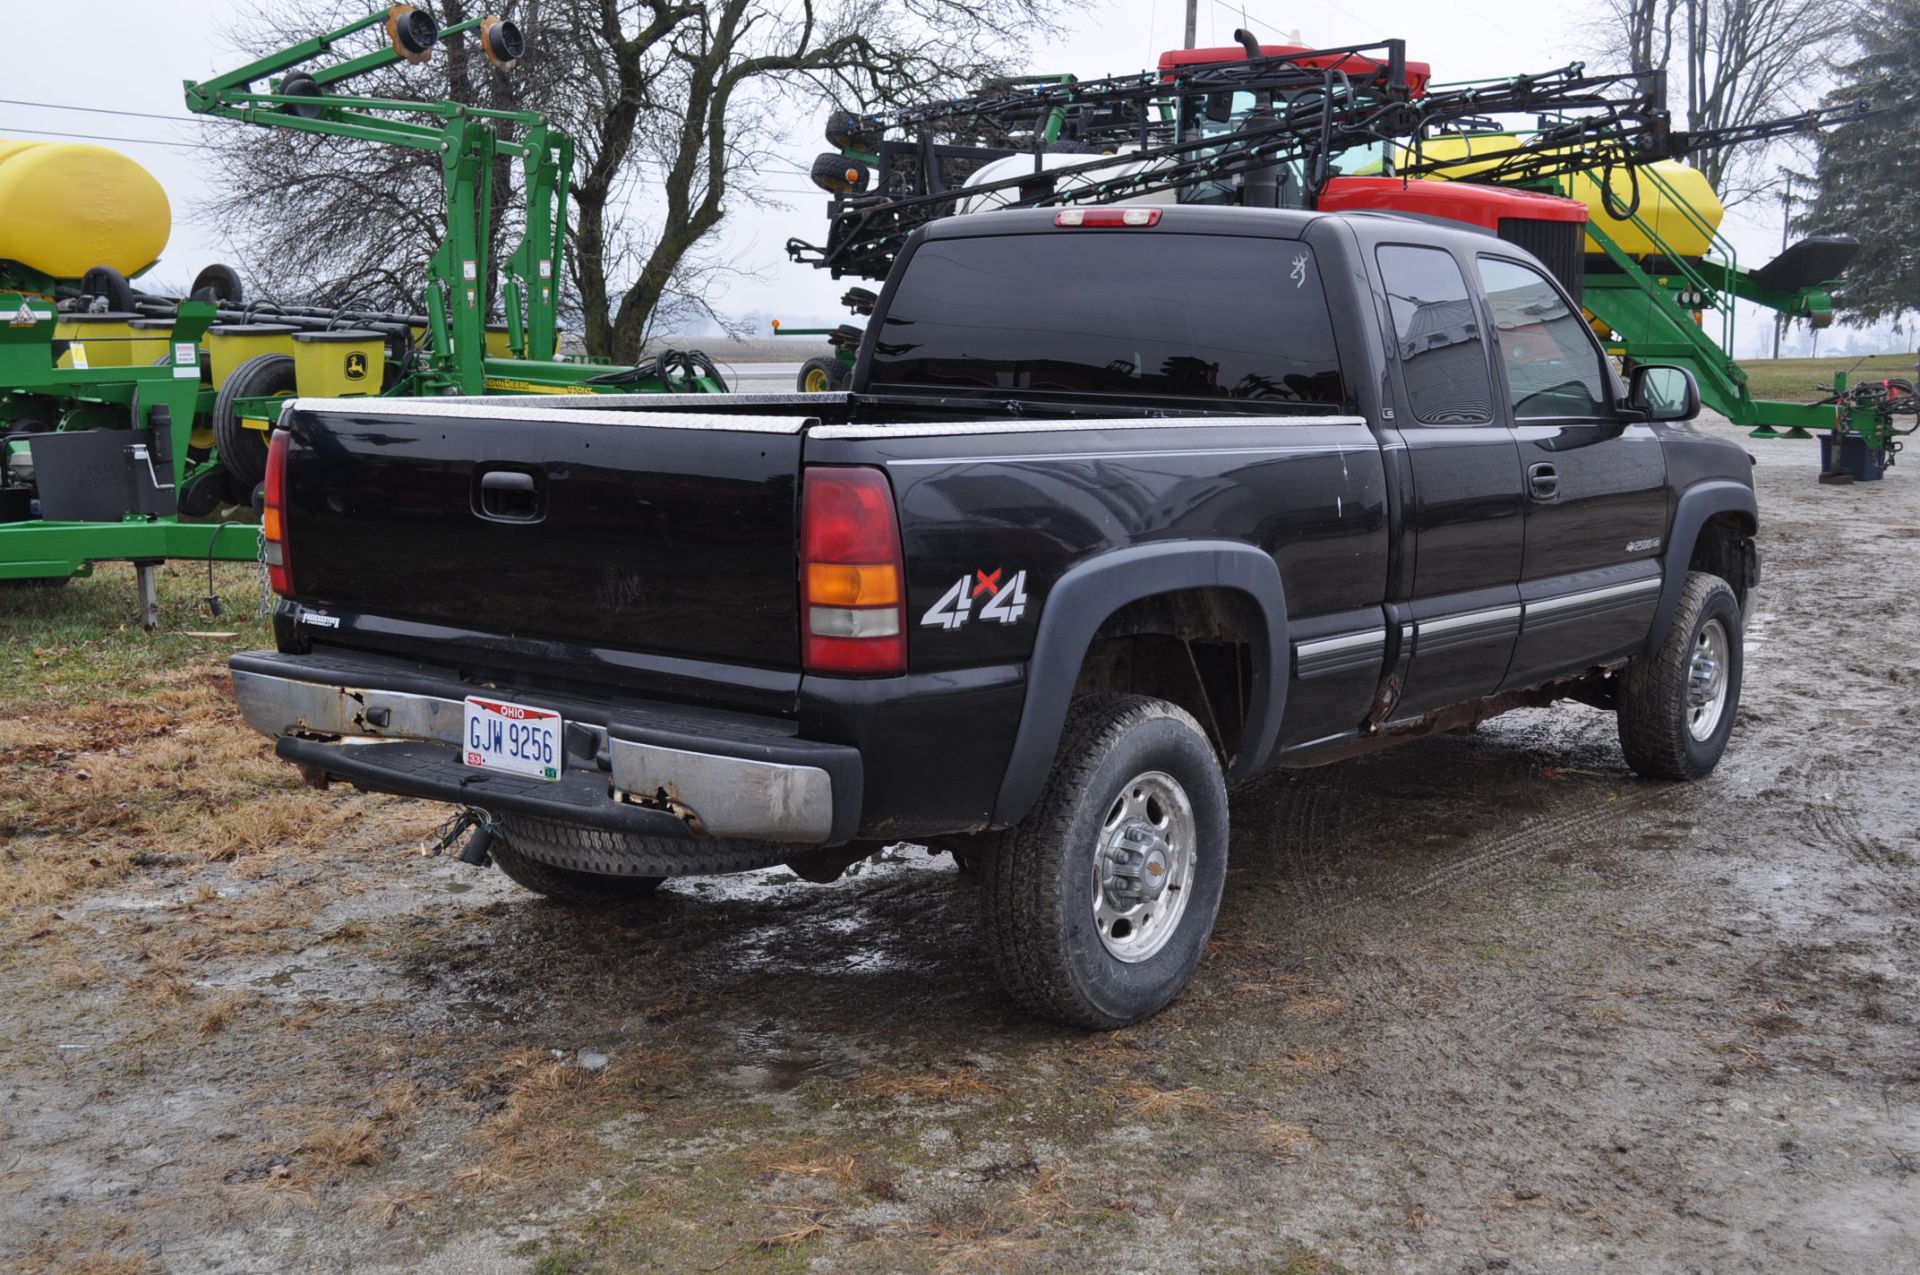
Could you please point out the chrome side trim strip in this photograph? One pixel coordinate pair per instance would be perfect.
(942, 429)
(1546, 606)
(1344, 642)
(1468, 620)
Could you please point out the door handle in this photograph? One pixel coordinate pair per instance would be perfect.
(507, 495)
(1543, 480)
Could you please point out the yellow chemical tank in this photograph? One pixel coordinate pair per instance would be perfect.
(1684, 219)
(66, 207)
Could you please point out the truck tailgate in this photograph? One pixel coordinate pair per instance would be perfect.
(671, 532)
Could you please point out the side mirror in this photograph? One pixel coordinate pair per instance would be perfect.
(1664, 392)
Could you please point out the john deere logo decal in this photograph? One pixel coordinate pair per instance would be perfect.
(356, 366)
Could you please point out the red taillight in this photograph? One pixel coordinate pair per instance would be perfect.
(273, 517)
(852, 586)
(1107, 217)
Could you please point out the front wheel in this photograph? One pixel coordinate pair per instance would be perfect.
(1677, 707)
(1098, 904)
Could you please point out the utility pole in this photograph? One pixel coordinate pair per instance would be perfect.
(1786, 220)
(1193, 21)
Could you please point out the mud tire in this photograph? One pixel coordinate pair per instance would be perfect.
(587, 856)
(820, 375)
(1653, 707)
(1040, 929)
(244, 451)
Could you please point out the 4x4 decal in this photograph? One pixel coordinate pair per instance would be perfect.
(1005, 603)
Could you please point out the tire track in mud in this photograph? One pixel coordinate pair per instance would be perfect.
(1831, 818)
(1556, 831)
(1323, 835)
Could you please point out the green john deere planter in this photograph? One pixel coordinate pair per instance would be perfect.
(135, 425)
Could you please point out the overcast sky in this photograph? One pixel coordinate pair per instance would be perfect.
(139, 51)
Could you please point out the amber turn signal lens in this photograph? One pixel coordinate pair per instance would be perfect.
(837, 585)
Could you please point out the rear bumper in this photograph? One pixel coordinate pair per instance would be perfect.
(653, 770)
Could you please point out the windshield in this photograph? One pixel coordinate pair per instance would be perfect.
(1128, 312)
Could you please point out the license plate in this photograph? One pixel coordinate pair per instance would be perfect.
(512, 737)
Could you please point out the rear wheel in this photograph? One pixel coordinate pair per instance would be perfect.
(1677, 707)
(818, 376)
(242, 450)
(1098, 904)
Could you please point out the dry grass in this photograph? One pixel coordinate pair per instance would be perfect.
(220, 1015)
(102, 1264)
(812, 1228)
(548, 1102)
(272, 1197)
(807, 1159)
(122, 750)
(330, 1152)
(389, 1205)
(1045, 1197)
(967, 1249)
(949, 1087)
(1150, 1102)
(1288, 1142)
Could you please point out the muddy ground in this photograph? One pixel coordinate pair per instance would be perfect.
(1484, 1002)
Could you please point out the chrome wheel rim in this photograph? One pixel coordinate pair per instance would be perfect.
(1707, 680)
(1143, 866)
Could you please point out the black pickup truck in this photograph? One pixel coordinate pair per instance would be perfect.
(1125, 505)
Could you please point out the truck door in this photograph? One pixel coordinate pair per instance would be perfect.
(1596, 503)
(1464, 510)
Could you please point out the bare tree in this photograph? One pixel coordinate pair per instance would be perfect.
(1730, 62)
(678, 108)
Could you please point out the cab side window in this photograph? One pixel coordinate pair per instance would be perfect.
(1553, 372)
(1442, 352)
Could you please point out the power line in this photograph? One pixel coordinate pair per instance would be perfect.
(101, 137)
(91, 110)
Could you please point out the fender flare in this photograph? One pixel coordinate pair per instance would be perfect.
(1696, 505)
(1088, 594)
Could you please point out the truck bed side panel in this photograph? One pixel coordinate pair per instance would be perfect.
(986, 505)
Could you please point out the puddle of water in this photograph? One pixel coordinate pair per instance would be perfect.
(484, 1011)
(458, 887)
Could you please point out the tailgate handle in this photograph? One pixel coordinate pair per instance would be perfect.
(508, 495)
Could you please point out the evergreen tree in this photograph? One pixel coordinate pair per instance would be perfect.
(1868, 172)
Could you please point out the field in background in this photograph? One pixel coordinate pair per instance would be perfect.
(1793, 380)
(757, 348)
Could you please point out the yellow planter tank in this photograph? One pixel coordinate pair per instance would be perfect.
(66, 207)
(152, 342)
(1686, 219)
(341, 364)
(231, 344)
(96, 340)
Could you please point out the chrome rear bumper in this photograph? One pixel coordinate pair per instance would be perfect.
(757, 785)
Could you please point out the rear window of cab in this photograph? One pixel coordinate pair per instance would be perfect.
(1124, 312)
